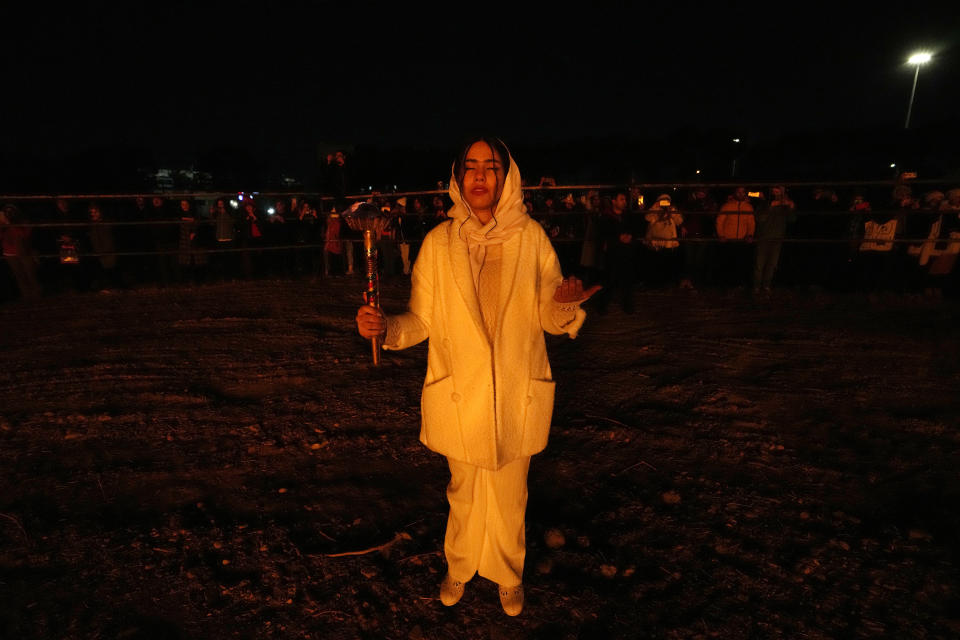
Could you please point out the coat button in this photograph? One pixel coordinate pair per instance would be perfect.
(529, 399)
(455, 396)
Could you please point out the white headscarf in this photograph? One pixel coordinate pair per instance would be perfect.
(509, 217)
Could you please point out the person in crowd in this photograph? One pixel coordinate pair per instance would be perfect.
(251, 239)
(569, 222)
(697, 228)
(352, 247)
(735, 228)
(635, 201)
(403, 229)
(166, 237)
(438, 211)
(546, 215)
(590, 257)
(618, 228)
(777, 212)
(191, 255)
(878, 263)
(859, 207)
(309, 234)
(936, 256)
(590, 201)
(225, 234)
(332, 246)
(912, 223)
(661, 247)
(488, 397)
(18, 252)
(99, 269)
(295, 211)
(415, 227)
(951, 202)
(388, 244)
(943, 274)
(275, 235)
(925, 222)
(547, 180)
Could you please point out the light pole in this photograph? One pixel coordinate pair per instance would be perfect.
(733, 169)
(917, 59)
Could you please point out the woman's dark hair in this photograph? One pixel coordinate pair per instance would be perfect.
(493, 142)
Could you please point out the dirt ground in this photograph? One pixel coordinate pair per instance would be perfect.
(222, 461)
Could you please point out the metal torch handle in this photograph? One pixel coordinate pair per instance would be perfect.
(373, 285)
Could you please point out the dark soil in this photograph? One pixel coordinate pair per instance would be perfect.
(222, 461)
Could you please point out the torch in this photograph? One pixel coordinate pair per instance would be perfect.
(365, 217)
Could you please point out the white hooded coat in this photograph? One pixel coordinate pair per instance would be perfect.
(486, 401)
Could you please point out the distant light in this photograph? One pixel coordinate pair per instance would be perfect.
(234, 204)
(919, 58)
(893, 164)
(698, 171)
(271, 211)
(240, 197)
(736, 139)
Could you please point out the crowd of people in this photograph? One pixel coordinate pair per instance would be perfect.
(902, 239)
(689, 237)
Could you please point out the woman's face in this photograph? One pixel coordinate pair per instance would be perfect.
(483, 176)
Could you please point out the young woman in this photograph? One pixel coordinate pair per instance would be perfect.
(485, 287)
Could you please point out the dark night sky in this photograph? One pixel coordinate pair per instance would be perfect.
(183, 80)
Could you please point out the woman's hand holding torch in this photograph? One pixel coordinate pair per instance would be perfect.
(371, 323)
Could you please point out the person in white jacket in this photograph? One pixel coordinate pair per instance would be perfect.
(485, 286)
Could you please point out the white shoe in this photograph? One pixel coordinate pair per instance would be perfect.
(451, 591)
(511, 599)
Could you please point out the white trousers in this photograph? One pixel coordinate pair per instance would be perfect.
(485, 529)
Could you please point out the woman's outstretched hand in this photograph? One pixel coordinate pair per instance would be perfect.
(371, 323)
(571, 290)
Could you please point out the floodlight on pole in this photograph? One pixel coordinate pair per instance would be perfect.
(733, 168)
(917, 59)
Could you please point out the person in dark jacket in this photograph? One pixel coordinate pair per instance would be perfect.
(191, 257)
(775, 213)
(698, 225)
(619, 228)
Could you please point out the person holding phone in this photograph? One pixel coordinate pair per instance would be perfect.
(735, 228)
(485, 287)
(776, 212)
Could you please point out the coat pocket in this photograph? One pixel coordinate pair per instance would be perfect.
(441, 419)
(539, 413)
